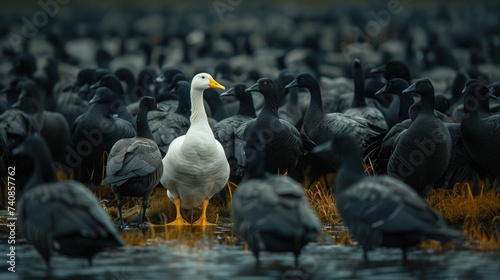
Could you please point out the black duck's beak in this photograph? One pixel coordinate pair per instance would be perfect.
(292, 84)
(16, 105)
(410, 89)
(323, 148)
(379, 70)
(492, 95)
(230, 92)
(255, 87)
(95, 85)
(95, 99)
(381, 91)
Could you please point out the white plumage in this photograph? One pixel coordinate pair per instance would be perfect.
(195, 166)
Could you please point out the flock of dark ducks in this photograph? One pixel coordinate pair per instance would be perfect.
(129, 103)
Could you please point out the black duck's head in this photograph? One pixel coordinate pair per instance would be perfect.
(103, 95)
(167, 73)
(495, 89)
(469, 82)
(393, 69)
(85, 76)
(146, 77)
(302, 80)
(422, 87)
(110, 81)
(99, 73)
(394, 86)
(30, 99)
(149, 103)
(237, 89)
(264, 86)
(124, 74)
(475, 93)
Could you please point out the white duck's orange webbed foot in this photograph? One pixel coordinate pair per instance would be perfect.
(179, 221)
(202, 221)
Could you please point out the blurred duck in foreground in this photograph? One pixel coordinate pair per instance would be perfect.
(63, 216)
(270, 212)
(381, 210)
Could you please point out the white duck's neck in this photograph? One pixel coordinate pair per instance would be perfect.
(198, 114)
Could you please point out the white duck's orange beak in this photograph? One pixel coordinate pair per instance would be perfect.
(214, 84)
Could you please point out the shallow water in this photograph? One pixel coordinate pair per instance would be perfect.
(213, 253)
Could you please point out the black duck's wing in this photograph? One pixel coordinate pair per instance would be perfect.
(295, 136)
(165, 127)
(129, 158)
(229, 131)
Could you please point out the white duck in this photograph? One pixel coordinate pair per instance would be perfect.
(195, 166)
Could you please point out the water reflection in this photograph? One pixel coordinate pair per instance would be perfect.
(215, 253)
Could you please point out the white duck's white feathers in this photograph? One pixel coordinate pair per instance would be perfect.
(195, 166)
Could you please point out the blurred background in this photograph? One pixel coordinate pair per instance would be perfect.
(321, 36)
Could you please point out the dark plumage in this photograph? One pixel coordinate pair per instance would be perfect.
(270, 212)
(229, 132)
(164, 79)
(396, 87)
(83, 82)
(284, 146)
(217, 108)
(483, 105)
(52, 125)
(68, 103)
(61, 217)
(166, 126)
(126, 75)
(481, 135)
(441, 106)
(380, 210)
(111, 82)
(392, 111)
(359, 107)
(15, 126)
(134, 165)
(289, 109)
(393, 69)
(379, 147)
(93, 135)
(422, 152)
(321, 127)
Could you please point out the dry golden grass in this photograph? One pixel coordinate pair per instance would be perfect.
(460, 204)
(478, 215)
(322, 202)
